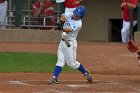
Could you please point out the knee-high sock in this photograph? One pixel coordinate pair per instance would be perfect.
(57, 71)
(82, 69)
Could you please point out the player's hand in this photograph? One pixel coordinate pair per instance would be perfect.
(60, 25)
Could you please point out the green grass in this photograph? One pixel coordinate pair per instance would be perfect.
(29, 62)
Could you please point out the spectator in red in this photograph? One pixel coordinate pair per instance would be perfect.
(43, 8)
(71, 5)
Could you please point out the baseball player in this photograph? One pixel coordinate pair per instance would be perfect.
(126, 4)
(71, 24)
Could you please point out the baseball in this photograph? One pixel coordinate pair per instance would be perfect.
(64, 34)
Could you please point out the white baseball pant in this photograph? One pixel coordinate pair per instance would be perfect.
(67, 55)
(126, 30)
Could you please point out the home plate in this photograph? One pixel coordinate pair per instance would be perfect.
(78, 86)
(17, 82)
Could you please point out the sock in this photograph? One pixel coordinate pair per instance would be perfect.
(57, 71)
(82, 69)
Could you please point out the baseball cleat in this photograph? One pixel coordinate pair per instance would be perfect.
(89, 77)
(53, 81)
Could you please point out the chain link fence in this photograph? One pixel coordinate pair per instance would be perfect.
(27, 18)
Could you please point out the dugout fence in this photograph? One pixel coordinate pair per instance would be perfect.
(26, 19)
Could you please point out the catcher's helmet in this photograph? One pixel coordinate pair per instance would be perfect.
(80, 11)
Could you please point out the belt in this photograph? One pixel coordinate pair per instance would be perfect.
(64, 40)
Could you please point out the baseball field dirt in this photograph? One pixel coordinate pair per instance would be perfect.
(113, 67)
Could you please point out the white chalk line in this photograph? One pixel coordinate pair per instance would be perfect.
(26, 82)
(97, 82)
(129, 55)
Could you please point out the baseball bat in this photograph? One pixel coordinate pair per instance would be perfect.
(64, 34)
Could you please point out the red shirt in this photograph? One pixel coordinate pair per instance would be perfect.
(126, 11)
(70, 4)
(47, 10)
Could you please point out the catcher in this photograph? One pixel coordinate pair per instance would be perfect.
(132, 47)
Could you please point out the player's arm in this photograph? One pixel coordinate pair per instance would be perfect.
(63, 18)
(67, 29)
(61, 23)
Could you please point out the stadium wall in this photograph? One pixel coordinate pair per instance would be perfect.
(96, 26)
(28, 35)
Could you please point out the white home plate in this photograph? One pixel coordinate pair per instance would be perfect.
(78, 86)
(17, 82)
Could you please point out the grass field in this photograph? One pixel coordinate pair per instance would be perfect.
(28, 62)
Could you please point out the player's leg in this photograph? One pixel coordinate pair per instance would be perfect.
(73, 63)
(59, 65)
(125, 31)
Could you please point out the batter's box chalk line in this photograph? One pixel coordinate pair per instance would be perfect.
(41, 82)
(128, 55)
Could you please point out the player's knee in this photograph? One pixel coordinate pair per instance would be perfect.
(74, 65)
(60, 64)
(123, 31)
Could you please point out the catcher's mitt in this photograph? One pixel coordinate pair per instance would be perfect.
(132, 47)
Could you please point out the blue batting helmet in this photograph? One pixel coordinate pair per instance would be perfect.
(80, 11)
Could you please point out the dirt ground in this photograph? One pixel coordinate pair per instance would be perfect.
(113, 67)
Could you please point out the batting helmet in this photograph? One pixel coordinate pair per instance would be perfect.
(80, 11)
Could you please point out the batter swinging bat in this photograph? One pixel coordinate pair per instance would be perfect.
(64, 34)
